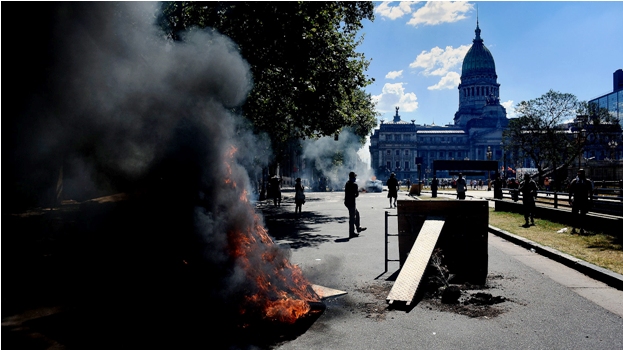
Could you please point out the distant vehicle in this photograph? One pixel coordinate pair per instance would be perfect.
(374, 186)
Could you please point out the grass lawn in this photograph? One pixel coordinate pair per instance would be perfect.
(594, 247)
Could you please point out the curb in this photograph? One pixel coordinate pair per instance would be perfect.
(608, 277)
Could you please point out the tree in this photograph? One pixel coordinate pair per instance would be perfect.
(308, 78)
(553, 130)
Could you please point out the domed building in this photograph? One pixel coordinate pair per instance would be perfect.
(398, 146)
(479, 91)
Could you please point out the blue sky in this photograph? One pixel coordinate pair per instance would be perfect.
(417, 50)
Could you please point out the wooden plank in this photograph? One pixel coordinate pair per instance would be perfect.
(326, 292)
(412, 271)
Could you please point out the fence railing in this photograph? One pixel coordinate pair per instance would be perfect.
(605, 201)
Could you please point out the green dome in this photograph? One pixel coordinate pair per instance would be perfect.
(478, 60)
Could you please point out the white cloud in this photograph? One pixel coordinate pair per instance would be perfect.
(510, 109)
(438, 61)
(449, 81)
(437, 12)
(394, 12)
(394, 95)
(394, 74)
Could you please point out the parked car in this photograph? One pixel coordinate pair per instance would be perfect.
(374, 186)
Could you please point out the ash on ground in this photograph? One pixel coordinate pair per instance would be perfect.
(374, 305)
(472, 300)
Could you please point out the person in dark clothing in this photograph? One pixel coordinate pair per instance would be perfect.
(275, 189)
(461, 187)
(299, 196)
(497, 187)
(392, 189)
(351, 192)
(580, 199)
(528, 190)
(434, 186)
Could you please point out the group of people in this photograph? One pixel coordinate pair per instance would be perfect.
(299, 193)
(580, 197)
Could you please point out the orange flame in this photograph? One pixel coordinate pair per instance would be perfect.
(281, 291)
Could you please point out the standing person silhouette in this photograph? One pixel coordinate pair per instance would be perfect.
(581, 199)
(299, 196)
(528, 189)
(392, 189)
(461, 187)
(434, 186)
(351, 192)
(275, 189)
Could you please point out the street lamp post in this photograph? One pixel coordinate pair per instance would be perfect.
(489, 156)
(613, 146)
(580, 134)
(427, 173)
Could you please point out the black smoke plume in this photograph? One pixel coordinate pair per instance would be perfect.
(104, 102)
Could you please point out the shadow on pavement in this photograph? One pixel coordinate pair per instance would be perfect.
(283, 224)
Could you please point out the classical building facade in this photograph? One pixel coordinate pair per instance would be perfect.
(398, 146)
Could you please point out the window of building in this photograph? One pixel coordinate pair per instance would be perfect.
(389, 165)
(407, 137)
(612, 104)
(441, 155)
(407, 165)
(397, 164)
(459, 154)
(397, 152)
(450, 154)
(389, 152)
(406, 152)
(398, 137)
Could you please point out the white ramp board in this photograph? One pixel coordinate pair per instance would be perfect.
(413, 269)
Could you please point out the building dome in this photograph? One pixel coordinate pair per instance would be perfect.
(478, 60)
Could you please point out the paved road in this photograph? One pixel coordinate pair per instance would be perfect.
(547, 304)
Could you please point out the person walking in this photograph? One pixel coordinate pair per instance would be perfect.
(351, 192)
(461, 187)
(528, 189)
(299, 196)
(392, 189)
(580, 199)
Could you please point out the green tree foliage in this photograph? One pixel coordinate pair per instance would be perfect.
(538, 132)
(552, 130)
(308, 78)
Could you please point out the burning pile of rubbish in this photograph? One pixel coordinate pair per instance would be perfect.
(131, 112)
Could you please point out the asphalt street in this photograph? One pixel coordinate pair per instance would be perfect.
(546, 304)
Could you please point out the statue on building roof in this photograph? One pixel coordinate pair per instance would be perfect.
(397, 117)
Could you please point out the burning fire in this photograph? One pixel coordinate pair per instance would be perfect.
(280, 290)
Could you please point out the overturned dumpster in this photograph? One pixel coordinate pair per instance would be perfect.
(458, 227)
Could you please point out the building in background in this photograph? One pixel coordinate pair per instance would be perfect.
(398, 146)
(613, 101)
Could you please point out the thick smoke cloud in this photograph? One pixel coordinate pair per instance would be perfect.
(115, 106)
(336, 158)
